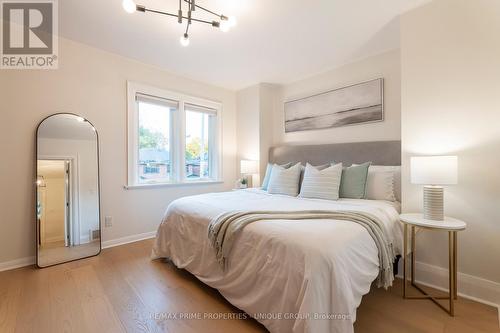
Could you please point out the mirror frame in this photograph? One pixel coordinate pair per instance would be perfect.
(35, 178)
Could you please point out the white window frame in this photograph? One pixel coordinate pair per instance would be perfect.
(178, 136)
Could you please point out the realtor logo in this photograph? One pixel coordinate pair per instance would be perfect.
(29, 34)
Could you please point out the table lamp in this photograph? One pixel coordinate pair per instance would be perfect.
(433, 172)
(249, 168)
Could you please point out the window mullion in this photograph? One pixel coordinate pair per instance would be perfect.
(217, 145)
(212, 146)
(181, 142)
(136, 144)
(171, 148)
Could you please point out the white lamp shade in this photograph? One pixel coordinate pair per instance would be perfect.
(434, 170)
(248, 167)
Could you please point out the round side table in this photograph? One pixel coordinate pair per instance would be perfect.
(450, 225)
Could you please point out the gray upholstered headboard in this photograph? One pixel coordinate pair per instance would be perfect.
(378, 152)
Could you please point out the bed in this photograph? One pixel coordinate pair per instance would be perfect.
(290, 275)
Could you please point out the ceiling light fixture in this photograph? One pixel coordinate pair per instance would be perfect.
(129, 6)
(224, 23)
(184, 40)
(40, 181)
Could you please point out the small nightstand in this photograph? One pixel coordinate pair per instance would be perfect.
(450, 225)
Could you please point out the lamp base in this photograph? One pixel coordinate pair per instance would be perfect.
(433, 203)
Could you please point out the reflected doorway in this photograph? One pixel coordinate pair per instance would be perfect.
(54, 203)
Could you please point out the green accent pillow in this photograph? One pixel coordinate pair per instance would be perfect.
(353, 182)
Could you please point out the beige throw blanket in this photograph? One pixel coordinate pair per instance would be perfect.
(224, 228)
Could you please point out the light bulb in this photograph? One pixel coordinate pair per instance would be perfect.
(184, 40)
(232, 21)
(129, 6)
(224, 26)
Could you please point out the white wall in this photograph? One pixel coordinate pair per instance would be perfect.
(385, 66)
(450, 59)
(255, 109)
(248, 127)
(92, 83)
(268, 99)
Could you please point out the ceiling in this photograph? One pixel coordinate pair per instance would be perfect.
(277, 41)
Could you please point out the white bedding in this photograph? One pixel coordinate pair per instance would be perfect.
(294, 276)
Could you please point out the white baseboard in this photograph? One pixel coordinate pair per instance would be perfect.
(28, 261)
(470, 287)
(128, 239)
(17, 263)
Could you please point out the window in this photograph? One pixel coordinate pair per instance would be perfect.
(200, 124)
(173, 138)
(154, 138)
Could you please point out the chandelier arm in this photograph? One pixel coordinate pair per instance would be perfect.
(143, 9)
(179, 13)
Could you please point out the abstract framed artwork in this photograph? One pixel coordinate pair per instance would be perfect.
(355, 104)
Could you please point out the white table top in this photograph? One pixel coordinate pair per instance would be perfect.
(449, 223)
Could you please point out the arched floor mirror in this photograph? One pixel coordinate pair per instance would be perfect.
(68, 223)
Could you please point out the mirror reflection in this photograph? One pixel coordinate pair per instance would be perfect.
(67, 182)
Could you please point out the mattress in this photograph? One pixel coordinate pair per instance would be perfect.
(292, 276)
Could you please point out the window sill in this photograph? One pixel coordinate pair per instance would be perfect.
(159, 185)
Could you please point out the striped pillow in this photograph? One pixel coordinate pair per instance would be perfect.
(321, 184)
(319, 167)
(265, 182)
(284, 181)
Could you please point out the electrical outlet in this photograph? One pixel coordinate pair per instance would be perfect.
(108, 221)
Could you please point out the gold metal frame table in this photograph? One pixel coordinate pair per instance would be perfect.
(450, 225)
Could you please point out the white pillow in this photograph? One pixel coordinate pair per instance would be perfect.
(396, 170)
(384, 182)
(284, 181)
(380, 185)
(321, 184)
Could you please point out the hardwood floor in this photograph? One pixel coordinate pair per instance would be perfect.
(122, 290)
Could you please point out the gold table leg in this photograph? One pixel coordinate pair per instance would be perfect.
(405, 247)
(455, 256)
(452, 273)
(413, 246)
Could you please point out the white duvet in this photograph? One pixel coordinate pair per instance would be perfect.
(292, 276)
